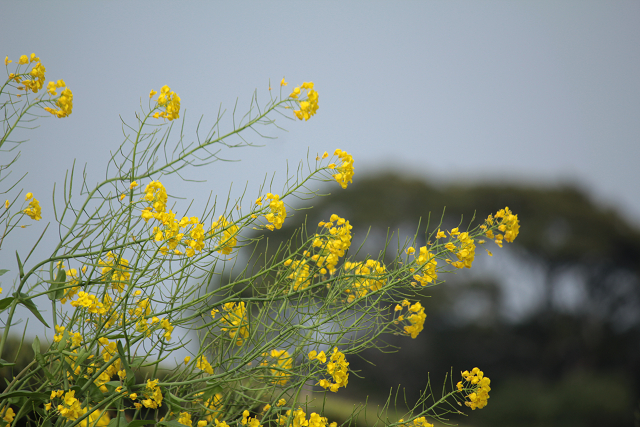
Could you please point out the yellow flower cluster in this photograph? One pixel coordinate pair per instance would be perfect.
(90, 302)
(338, 368)
(185, 419)
(313, 355)
(248, 421)
(156, 194)
(37, 72)
(235, 319)
(170, 101)
(8, 413)
(415, 316)
(417, 422)
(33, 211)
(168, 328)
(214, 406)
(115, 269)
(309, 107)
(282, 361)
(153, 395)
(509, 225)
(76, 337)
(480, 388)
(229, 238)
(428, 265)
(333, 246)
(64, 102)
(345, 170)
(278, 211)
(300, 274)
(299, 419)
(74, 281)
(465, 251)
(108, 351)
(362, 285)
(139, 313)
(203, 364)
(70, 407)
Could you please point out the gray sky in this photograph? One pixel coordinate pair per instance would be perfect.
(520, 91)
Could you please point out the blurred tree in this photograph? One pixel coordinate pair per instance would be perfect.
(559, 347)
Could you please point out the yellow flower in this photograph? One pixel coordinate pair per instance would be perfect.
(236, 321)
(7, 61)
(278, 211)
(281, 402)
(362, 286)
(170, 101)
(28, 196)
(24, 59)
(64, 103)
(283, 83)
(185, 419)
(480, 386)
(153, 92)
(308, 107)
(203, 364)
(345, 171)
(229, 238)
(283, 361)
(133, 185)
(6, 204)
(338, 368)
(8, 415)
(34, 211)
(428, 266)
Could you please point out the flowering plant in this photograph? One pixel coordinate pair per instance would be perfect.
(133, 269)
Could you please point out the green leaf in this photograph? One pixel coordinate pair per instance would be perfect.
(174, 405)
(172, 423)
(2, 272)
(24, 300)
(36, 346)
(123, 358)
(25, 393)
(120, 421)
(138, 423)
(210, 392)
(40, 359)
(55, 290)
(5, 302)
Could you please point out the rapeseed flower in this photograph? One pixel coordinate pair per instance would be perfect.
(229, 238)
(479, 385)
(345, 170)
(34, 211)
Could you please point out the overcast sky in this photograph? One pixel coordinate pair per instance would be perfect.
(512, 91)
(526, 91)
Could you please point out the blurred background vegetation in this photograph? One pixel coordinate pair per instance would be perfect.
(553, 319)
